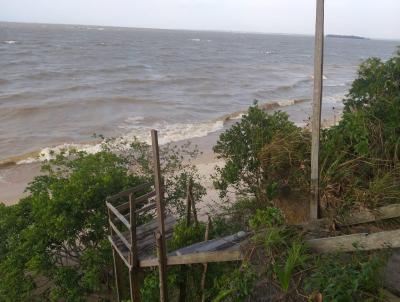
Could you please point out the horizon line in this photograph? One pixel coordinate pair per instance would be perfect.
(197, 30)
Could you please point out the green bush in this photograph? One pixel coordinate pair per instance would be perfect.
(346, 278)
(240, 147)
(60, 233)
(360, 156)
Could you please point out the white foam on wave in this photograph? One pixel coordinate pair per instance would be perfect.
(336, 85)
(11, 42)
(285, 103)
(49, 153)
(168, 133)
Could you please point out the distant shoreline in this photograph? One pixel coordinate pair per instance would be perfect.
(347, 37)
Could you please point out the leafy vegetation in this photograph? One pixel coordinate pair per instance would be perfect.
(240, 147)
(348, 278)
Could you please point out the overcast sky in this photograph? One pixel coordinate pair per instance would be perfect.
(371, 18)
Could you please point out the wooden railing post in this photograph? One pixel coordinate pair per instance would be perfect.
(317, 104)
(204, 275)
(117, 266)
(134, 261)
(160, 235)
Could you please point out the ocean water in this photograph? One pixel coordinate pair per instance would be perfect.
(59, 84)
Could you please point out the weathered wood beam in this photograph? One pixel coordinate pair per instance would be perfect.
(133, 257)
(382, 213)
(356, 242)
(118, 215)
(205, 257)
(160, 235)
(365, 216)
(205, 265)
(120, 235)
(119, 252)
(317, 104)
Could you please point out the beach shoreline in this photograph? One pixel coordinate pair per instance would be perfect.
(14, 178)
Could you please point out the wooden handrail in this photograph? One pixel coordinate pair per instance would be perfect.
(119, 252)
(125, 206)
(119, 234)
(146, 208)
(129, 191)
(118, 215)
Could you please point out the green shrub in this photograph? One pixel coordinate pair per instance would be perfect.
(64, 217)
(240, 147)
(346, 278)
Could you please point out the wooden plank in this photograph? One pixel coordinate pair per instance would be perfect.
(118, 215)
(355, 242)
(119, 234)
(205, 257)
(139, 201)
(382, 213)
(317, 104)
(119, 252)
(213, 245)
(160, 236)
(366, 216)
(152, 226)
(126, 193)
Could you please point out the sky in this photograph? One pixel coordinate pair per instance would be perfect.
(369, 18)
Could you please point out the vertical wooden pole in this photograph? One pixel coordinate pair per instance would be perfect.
(192, 202)
(317, 104)
(160, 235)
(188, 204)
(162, 268)
(134, 269)
(184, 271)
(204, 275)
(117, 266)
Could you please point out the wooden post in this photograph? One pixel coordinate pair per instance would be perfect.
(317, 104)
(204, 275)
(184, 271)
(188, 204)
(134, 261)
(192, 202)
(117, 266)
(160, 235)
(161, 266)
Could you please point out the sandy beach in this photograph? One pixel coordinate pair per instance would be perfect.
(14, 178)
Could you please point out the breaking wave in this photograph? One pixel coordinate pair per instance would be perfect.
(135, 128)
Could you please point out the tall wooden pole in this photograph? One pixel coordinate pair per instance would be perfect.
(134, 259)
(160, 234)
(317, 104)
